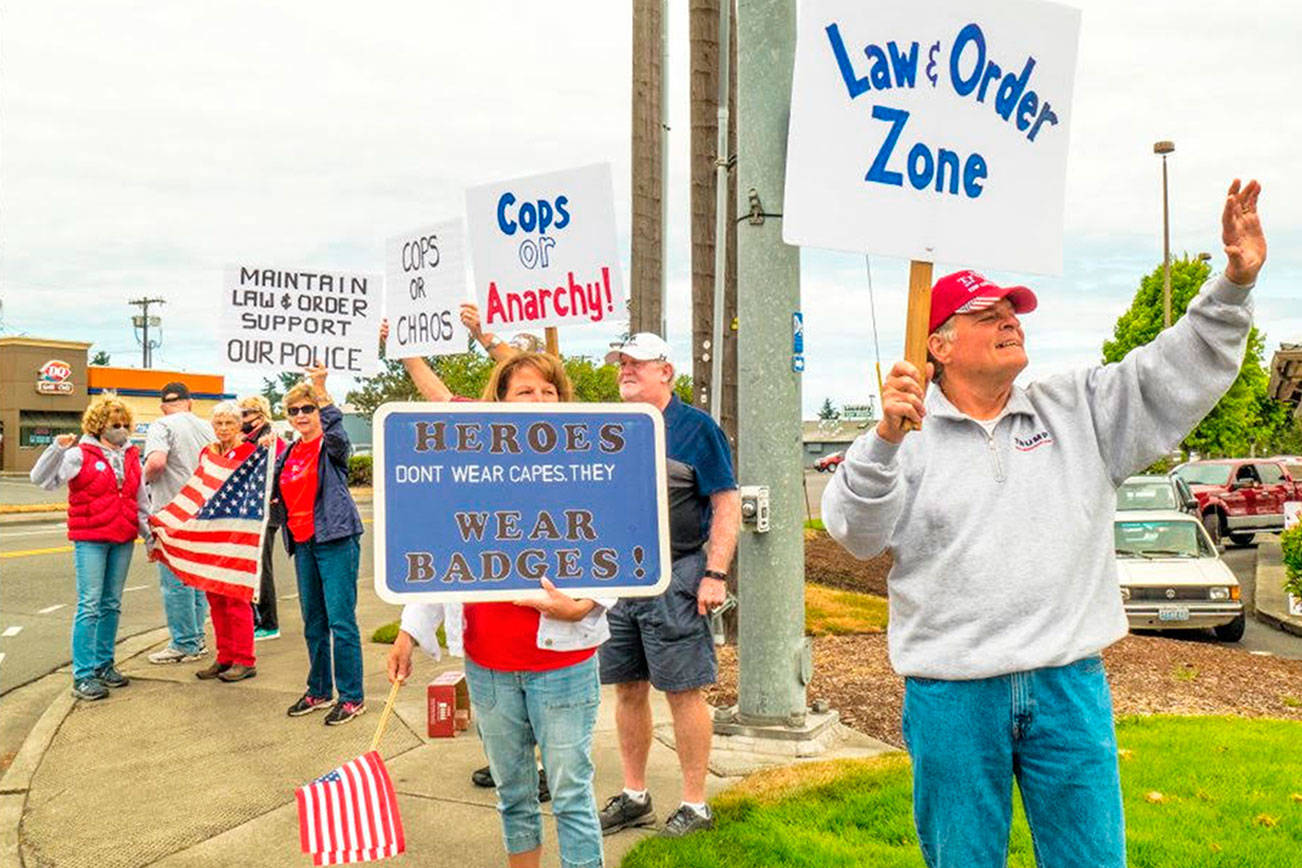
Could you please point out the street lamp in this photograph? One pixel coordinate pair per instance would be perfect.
(1165, 148)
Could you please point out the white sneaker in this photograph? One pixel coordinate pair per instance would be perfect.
(175, 655)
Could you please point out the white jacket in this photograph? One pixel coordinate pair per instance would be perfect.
(422, 620)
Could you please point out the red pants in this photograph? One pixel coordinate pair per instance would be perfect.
(232, 623)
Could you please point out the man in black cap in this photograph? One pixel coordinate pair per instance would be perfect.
(172, 449)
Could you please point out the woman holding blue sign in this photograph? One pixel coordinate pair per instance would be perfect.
(532, 671)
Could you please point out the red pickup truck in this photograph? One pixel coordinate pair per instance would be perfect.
(1239, 496)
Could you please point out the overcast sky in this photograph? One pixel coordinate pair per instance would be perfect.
(143, 146)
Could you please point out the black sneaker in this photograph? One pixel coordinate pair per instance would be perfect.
(109, 676)
(621, 812)
(307, 704)
(685, 820)
(89, 689)
(344, 712)
(484, 778)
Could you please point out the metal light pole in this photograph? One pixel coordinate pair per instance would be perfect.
(772, 649)
(143, 321)
(1165, 148)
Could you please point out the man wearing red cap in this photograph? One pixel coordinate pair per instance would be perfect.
(998, 514)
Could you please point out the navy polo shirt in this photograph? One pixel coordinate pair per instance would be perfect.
(699, 464)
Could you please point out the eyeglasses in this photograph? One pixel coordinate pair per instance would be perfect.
(118, 425)
(301, 408)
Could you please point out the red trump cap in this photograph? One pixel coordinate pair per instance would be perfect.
(967, 292)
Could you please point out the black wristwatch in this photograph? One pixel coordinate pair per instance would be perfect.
(716, 574)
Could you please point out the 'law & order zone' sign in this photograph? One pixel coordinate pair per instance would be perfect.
(273, 320)
(932, 130)
(479, 502)
(543, 249)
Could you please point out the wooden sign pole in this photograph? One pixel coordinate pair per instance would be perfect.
(919, 316)
(554, 341)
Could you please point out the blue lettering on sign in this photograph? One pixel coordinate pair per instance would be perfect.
(479, 502)
(921, 165)
(537, 216)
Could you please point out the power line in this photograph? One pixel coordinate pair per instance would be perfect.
(143, 321)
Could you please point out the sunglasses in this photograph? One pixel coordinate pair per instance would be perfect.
(247, 413)
(301, 408)
(117, 425)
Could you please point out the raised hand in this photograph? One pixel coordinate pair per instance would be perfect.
(470, 319)
(384, 330)
(1245, 245)
(902, 395)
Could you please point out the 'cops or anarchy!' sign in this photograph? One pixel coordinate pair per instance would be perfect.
(932, 130)
(275, 320)
(424, 287)
(482, 501)
(543, 249)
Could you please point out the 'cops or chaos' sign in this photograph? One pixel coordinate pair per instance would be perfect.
(932, 130)
(481, 501)
(274, 319)
(424, 287)
(543, 249)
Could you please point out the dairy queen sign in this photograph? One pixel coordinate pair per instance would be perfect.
(54, 378)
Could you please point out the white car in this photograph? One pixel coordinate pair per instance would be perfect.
(1172, 575)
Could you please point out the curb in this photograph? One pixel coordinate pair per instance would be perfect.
(1286, 625)
(17, 779)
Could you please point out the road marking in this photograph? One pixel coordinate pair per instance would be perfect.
(2, 657)
(1262, 653)
(11, 631)
(289, 596)
(33, 552)
(57, 529)
(135, 588)
(48, 609)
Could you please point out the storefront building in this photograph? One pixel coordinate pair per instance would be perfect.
(45, 385)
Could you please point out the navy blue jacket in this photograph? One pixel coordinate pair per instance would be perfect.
(335, 515)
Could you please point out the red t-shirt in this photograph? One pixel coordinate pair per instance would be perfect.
(298, 484)
(504, 636)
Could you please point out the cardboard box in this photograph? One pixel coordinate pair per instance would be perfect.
(449, 704)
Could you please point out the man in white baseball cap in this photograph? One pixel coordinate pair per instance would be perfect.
(665, 641)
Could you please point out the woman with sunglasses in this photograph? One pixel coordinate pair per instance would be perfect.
(107, 508)
(255, 423)
(532, 671)
(323, 533)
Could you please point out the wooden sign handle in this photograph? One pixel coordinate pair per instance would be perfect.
(919, 317)
(553, 341)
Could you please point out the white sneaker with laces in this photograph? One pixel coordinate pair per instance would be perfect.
(175, 655)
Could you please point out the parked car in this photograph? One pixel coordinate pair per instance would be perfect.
(829, 463)
(1239, 496)
(1293, 464)
(1156, 492)
(1172, 576)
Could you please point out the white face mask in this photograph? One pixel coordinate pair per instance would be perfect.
(116, 436)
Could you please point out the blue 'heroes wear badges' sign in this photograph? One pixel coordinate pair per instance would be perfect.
(481, 501)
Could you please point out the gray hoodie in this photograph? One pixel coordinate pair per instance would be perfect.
(1003, 543)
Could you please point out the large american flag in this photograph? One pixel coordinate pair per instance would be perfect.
(210, 535)
(350, 814)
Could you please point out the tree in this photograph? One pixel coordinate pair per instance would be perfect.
(828, 411)
(100, 358)
(1244, 418)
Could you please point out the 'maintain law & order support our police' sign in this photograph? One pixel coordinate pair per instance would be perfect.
(478, 502)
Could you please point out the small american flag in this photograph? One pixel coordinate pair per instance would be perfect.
(210, 535)
(350, 814)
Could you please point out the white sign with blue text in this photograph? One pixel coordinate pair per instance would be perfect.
(544, 252)
(425, 285)
(481, 501)
(932, 130)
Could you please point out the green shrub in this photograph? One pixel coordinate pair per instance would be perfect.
(1291, 544)
(359, 470)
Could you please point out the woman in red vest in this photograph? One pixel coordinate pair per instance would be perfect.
(107, 508)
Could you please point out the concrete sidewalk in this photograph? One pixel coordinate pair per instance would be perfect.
(172, 771)
(1271, 601)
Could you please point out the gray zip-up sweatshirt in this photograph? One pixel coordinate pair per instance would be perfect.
(1003, 543)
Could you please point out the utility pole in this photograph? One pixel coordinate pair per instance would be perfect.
(713, 30)
(143, 321)
(648, 149)
(1165, 148)
(774, 654)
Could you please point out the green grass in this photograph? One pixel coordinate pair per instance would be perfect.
(385, 634)
(831, 612)
(1199, 791)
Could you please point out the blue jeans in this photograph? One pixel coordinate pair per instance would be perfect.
(1052, 730)
(101, 573)
(327, 597)
(556, 710)
(186, 609)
